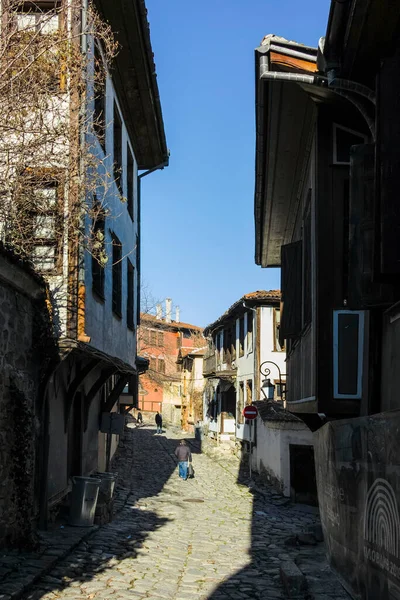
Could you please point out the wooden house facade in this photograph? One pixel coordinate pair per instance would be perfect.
(327, 213)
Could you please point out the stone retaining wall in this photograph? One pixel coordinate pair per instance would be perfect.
(19, 372)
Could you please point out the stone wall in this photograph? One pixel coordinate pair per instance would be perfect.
(19, 377)
(358, 476)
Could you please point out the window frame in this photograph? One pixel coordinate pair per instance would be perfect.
(98, 271)
(100, 101)
(241, 336)
(46, 179)
(358, 134)
(130, 296)
(277, 346)
(130, 183)
(116, 276)
(117, 146)
(360, 356)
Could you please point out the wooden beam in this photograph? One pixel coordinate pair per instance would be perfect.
(73, 388)
(94, 390)
(291, 61)
(116, 392)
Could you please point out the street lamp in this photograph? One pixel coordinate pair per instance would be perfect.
(267, 387)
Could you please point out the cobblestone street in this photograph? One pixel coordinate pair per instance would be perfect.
(209, 537)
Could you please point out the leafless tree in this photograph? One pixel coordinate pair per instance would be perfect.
(52, 71)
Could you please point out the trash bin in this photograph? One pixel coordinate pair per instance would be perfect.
(198, 433)
(107, 484)
(85, 491)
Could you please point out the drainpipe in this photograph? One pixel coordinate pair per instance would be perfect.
(138, 257)
(138, 244)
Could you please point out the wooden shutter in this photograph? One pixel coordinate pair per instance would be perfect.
(362, 290)
(291, 287)
(389, 167)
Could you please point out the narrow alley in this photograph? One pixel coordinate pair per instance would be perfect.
(211, 537)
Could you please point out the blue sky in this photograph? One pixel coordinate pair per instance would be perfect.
(197, 215)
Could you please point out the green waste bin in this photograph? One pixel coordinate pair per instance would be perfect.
(85, 491)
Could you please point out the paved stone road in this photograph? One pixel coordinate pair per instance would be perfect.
(206, 538)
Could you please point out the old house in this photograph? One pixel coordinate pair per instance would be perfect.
(326, 212)
(161, 339)
(192, 386)
(243, 338)
(85, 237)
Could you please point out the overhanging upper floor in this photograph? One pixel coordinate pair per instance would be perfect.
(135, 79)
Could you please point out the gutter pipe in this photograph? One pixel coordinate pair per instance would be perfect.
(139, 194)
(342, 87)
(138, 245)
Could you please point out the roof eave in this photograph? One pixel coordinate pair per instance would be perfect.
(135, 80)
(287, 57)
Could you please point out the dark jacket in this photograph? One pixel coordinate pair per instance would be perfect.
(158, 419)
(183, 453)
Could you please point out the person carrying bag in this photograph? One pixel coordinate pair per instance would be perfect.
(184, 457)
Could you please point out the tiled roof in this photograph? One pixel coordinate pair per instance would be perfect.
(273, 411)
(258, 298)
(163, 323)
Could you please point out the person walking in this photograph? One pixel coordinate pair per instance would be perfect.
(139, 418)
(184, 456)
(159, 422)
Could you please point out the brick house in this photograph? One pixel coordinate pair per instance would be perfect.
(160, 341)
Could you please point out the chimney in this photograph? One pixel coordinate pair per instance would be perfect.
(158, 312)
(168, 310)
(177, 314)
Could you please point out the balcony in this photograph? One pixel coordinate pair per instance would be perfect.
(212, 365)
(209, 364)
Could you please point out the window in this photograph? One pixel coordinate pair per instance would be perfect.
(241, 336)
(130, 296)
(39, 201)
(153, 338)
(348, 353)
(130, 187)
(98, 249)
(280, 390)
(227, 345)
(343, 140)
(116, 275)
(249, 391)
(145, 335)
(179, 341)
(160, 338)
(117, 130)
(99, 114)
(278, 347)
(153, 363)
(218, 342)
(240, 404)
(32, 46)
(161, 365)
(249, 332)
